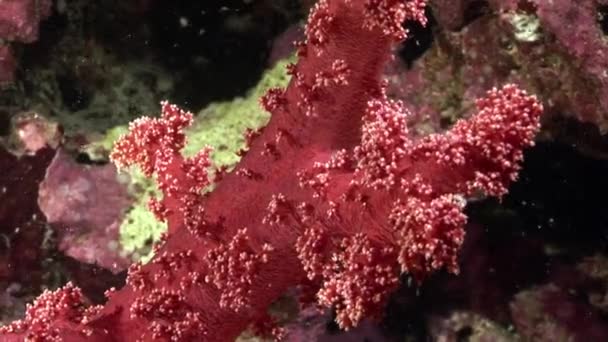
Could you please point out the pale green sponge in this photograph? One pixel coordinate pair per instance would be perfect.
(222, 124)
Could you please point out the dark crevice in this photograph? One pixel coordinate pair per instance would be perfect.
(474, 10)
(5, 122)
(83, 158)
(220, 47)
(74, 92)
(420, 39)
(602, 18)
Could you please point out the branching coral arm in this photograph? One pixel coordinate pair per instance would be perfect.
(332, 193)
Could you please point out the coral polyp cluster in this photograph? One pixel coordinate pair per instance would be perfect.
(333, 194)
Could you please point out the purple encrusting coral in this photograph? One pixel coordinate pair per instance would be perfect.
(85, 205)
(548, 313)
(19, 22)
(22, 226)
(559, 48)
(20, 19)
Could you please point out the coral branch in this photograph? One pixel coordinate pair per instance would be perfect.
(333, 193)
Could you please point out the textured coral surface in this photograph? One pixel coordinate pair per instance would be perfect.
(334, 195)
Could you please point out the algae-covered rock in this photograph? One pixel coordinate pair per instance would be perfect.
(222, 124)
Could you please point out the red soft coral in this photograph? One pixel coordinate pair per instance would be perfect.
(333, 189)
